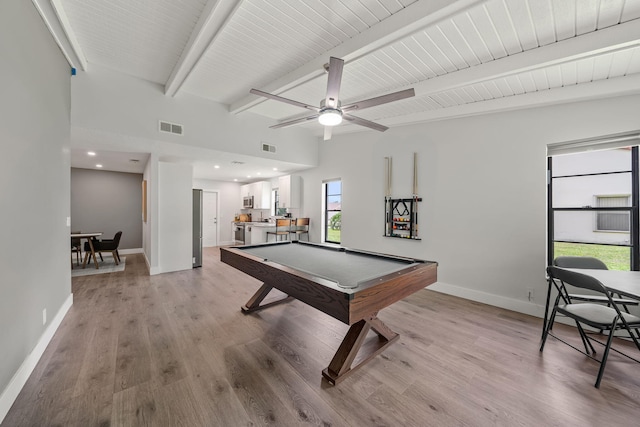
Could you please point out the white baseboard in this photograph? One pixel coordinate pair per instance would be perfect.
(18, 381)
(520, 306)
(131, 251)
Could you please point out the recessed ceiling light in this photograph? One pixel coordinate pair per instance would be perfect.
(248, 176)
(98, 166)
(258, 173)
(235, 179)
(216, 166)
(275, 169)
(91, 153)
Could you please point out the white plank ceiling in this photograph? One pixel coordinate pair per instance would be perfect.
(462, 57)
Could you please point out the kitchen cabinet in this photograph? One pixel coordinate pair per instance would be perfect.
(261, 193)
(255, 234)
(290, 191)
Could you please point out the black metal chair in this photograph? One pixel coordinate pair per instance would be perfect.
(582, 262)
(591, 263)
(105, 245)
(596, 315)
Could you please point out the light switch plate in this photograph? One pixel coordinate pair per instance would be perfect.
(68, 221)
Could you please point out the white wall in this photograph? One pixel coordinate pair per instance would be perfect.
(150, 227)
(228, 205)
(126, 110)
(483, 182)
(175, 232)
(35, 269)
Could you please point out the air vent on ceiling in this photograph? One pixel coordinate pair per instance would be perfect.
(268, 148)
(235, 162)
(171, 128)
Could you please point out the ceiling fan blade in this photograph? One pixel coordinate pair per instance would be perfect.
(372, 102)
(281, 99)
(333, 82)
(363, 122)
(294, 122)
(327, 132)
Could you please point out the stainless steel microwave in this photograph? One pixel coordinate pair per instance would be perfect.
(247, 202)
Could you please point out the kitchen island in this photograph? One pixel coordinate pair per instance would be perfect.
(254, 232)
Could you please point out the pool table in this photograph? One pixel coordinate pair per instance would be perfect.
(349, 285)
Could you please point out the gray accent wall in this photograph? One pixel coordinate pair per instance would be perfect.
(35, 107)
(108, 202)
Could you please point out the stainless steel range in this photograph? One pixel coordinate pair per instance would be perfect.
(238, 232)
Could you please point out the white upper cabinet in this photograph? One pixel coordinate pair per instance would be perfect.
(261, 192)
(289, 191)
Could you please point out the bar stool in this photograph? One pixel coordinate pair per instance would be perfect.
(283, 227)
(301, 227)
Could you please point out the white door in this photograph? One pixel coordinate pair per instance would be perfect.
(209, 219)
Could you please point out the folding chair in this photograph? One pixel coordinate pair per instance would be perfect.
(605, 318)
(582, 262)
(586, 262)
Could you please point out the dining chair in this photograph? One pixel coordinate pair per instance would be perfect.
(76, 247)
(596, 315)
(301, 227)
(283, 227)
(105, 245)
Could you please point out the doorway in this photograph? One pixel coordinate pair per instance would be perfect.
(209, 218)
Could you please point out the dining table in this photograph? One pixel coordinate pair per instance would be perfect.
(89, 237)
(624, 283)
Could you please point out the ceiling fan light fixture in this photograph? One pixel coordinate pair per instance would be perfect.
(330, 117)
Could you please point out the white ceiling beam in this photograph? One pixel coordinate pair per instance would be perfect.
(214, 18)
(407, 21)
(614, 87)
(608, 40)
(71, 35)
(56, 21)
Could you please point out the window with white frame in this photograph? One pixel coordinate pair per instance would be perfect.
(613, 221)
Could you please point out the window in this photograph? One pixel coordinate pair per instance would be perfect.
(275, 209)
(593, 206)
(612, 221)
(333, 211)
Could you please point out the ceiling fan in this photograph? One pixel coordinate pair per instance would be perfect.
(331, 112)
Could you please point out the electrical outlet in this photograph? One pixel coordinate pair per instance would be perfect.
(44, 316)
(530, 294)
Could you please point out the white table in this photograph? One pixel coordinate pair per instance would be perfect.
(624, 283)
(89, 237)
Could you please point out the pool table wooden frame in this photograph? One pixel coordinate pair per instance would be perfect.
(357, 307)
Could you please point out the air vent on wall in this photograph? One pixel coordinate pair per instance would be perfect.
(171, 128)
(268, 148)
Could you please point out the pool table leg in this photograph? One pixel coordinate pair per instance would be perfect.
(254, 302)
(340, 366)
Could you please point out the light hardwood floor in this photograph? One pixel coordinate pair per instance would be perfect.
(175, 350)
